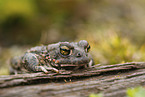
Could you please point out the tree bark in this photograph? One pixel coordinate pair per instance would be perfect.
(111, 80)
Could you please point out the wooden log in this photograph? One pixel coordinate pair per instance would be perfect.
(111, 80)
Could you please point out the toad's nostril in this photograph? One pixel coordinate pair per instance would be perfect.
(79, 55)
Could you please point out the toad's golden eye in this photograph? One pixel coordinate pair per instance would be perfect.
(88, 48)
(64, 50)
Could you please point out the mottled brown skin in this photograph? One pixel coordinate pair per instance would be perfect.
(62, 55)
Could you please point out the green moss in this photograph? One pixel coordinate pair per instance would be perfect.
(25, 8)
(136, 92)
(96, 95)
(110, 48)
(4, 71)
(130, 92)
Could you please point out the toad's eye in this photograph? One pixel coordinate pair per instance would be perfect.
(88, 48)
(64, 50)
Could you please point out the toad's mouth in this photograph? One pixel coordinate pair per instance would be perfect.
(70, 66)
(71, 63)
(74, 64)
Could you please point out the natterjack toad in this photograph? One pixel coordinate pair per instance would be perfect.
(62, 55)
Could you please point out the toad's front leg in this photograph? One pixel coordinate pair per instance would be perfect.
(31, 63)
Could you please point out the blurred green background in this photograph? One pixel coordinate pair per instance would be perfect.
(114, 28)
